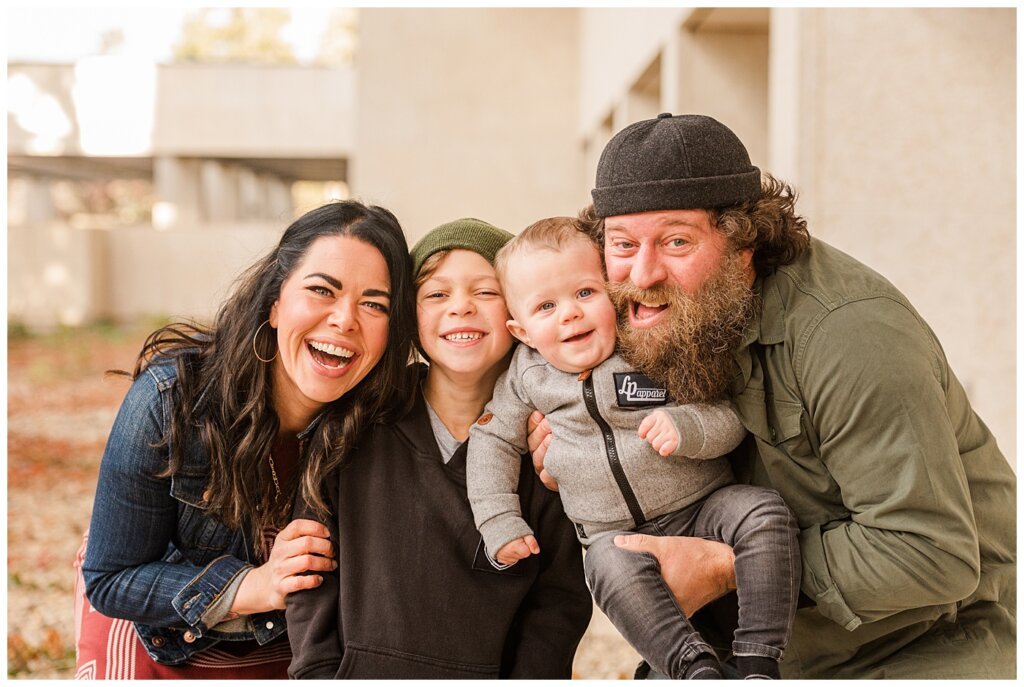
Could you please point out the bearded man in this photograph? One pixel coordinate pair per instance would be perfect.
(905, 504)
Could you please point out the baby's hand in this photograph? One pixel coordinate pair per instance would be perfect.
(517, 549)
(660, 432)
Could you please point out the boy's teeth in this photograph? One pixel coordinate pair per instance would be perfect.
(463, 336)
(331, 349)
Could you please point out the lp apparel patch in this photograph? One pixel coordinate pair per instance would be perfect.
(634, 390)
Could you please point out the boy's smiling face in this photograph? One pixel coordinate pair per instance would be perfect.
(560, 306)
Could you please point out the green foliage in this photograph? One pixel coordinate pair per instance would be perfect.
(18, 330)
(339, 40)
(237, 34)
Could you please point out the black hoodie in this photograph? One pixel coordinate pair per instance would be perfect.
(414, 595)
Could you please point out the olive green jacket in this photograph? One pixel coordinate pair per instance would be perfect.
(905, 504)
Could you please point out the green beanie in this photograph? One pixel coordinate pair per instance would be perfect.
(468, 233)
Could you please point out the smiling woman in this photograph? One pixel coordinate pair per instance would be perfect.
(190, 538)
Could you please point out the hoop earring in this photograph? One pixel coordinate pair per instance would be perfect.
(256, 352)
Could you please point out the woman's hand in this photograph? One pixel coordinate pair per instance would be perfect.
(304, 545)
(538, 439)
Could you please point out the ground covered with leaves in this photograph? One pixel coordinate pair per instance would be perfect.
(60, 407)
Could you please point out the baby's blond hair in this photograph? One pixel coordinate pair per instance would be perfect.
(551, 233)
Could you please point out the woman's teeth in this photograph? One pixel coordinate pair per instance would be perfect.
(331, 349)
(330, 355)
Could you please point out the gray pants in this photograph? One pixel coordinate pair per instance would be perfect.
(759, 526)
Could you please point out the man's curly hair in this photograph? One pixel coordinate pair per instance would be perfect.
(769, 225)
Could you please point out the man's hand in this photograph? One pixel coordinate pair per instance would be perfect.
(697, 571)
(538, 439)
(660, 432)
(517, 549)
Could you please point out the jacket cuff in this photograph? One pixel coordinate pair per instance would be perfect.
(198, 603)
(500, 530)
(689, 429)
(218, 615)
(818, 583)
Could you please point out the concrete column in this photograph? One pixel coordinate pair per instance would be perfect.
(592, 149)
(785, 113)
(39, 200)
(219, 191)
(725, 75)
(643, 104)
(250, 201)
(620, 115)
(670, 74)
(280, 207)
(176, 188)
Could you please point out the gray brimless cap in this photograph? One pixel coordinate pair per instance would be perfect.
(674, 163)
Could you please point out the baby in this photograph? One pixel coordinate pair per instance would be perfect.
(627, 459)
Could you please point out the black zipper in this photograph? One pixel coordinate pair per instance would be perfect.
(612, 450)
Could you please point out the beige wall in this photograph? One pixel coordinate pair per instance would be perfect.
(906, 159)
(724, 74)
(184, 272)
(616, 46)
(56, 275)
(254, 111)
(65, 276)
(468, 112)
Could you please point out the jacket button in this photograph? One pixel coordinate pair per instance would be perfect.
(158, 641)
(270, 624)
(485, 418)
(188, 636)
(771, 430)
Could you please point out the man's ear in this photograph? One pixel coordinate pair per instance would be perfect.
(516, 330)
(747, 259)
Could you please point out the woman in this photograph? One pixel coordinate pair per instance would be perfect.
(415, 594)
(219, 432)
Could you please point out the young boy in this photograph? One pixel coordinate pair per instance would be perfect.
(626, 458)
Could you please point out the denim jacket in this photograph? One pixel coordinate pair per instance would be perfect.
(154, 556)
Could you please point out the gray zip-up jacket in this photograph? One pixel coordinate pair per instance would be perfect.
(608, 477)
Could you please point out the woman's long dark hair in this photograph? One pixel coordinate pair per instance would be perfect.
(224, 395)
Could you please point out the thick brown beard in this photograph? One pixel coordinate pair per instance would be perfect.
(691, 352)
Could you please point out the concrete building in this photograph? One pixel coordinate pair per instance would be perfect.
(897, 126)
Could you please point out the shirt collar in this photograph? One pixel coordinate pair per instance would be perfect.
(771, 330)
(764, 328)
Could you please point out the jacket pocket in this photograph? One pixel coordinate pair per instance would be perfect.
(770, 420)
(199, 534)
(363, 662)
(200, 537)
(481, 563)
